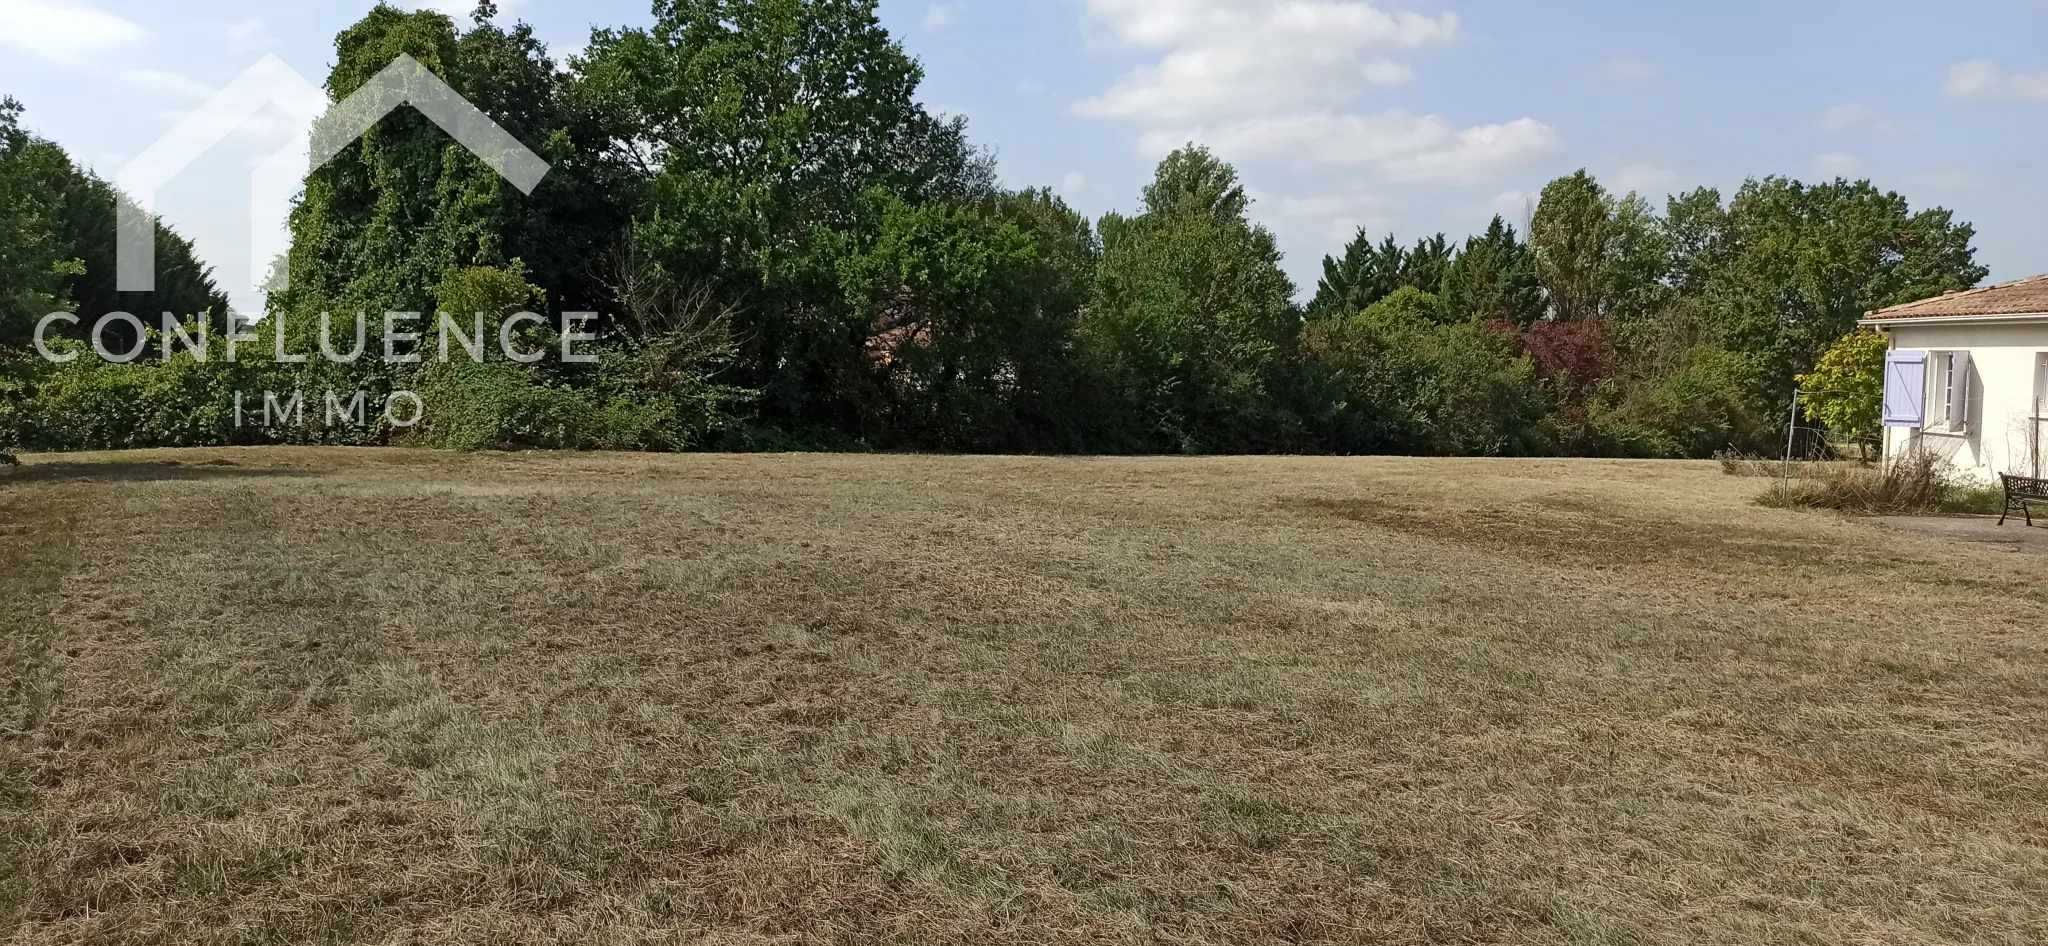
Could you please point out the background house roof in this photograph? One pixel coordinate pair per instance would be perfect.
(2024, 297)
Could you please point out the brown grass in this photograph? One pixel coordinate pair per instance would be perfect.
(391, 697)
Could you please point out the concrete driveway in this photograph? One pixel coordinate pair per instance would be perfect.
(2014, 536)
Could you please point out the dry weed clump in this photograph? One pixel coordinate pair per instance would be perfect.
(1737, 463)
(1917, 484)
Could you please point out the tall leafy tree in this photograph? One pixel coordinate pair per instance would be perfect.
(972, 314)
(57, 243)
(1786, 269)
(1598, 255)
(1637, 264)
(33, 262)
(1193, 315)
(759, 126)
(1570, 233)
(382, 222)
(1695, 230)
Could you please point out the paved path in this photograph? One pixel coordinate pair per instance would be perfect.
(2014, 536)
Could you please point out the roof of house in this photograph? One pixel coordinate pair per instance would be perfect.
(2025, 297)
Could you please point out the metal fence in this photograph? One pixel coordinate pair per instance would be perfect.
(1819, 444)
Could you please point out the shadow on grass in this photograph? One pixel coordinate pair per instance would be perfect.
(137, 471)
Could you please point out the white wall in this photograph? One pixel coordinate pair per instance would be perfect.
(2004, 434)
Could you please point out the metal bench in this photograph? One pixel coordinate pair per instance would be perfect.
(2023, 493)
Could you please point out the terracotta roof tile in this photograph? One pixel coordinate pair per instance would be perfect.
(2025, 297)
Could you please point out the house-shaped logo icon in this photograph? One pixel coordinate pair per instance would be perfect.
(272, 185)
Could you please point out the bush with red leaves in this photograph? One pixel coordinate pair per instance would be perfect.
(1573, 355)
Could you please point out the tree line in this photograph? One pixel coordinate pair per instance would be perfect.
(790, 252)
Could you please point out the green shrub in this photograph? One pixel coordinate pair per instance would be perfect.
(1396, 380)
(1699, 408)
(497, 406)
(89, 404)
(1846, 390)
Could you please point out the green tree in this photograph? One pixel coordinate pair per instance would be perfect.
(1493, 279)
(1846, 389)
(759, 127)
(1570, 232)
(1395, 379)
(34, 262)
(1597, 255)
(971, 320)
(57, 251)
(57, 243)
(1696, 231)
(1789, 268)
(384, 220)
(1637, 263)
(1193, 316)
(1368, 273)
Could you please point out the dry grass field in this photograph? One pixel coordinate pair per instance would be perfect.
(274, 696)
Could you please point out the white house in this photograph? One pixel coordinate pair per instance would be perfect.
(1967, 379)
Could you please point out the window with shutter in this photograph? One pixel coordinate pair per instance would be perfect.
(1905, 389)
(1956, 391)
(1937, 391)
(2041, 387)
(1948, 392)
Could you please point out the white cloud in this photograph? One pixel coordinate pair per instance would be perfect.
(1515, 207)
(1835, 164)
(1983, 79)
(1856, 116)
(1845, 117)
(938, 16)
(1331, 218)
(250, 35)
(1247, 57)
(176, 83)
(1626, 71)
(1074, 183)
(1954, 179)
(1648, 180)
(68, 32)
(460, 10)
(1260, 79)
(1403, 146)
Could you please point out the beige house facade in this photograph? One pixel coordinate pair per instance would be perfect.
(1967, 379)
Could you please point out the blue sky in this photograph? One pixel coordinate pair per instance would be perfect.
(1409, 116)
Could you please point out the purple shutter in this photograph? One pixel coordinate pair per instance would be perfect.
(1905, 389)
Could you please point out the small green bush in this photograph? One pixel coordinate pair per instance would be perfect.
(89, 404)
(1846, 389)
(1701, 407)
(497, 406)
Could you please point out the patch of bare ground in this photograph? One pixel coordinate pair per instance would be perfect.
(388, 696)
